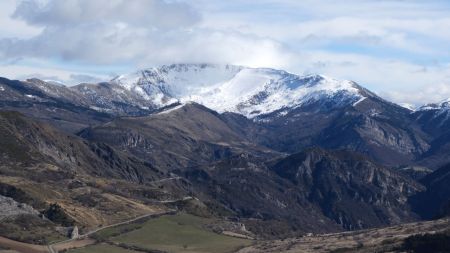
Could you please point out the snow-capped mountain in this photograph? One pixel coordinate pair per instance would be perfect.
(248, 91)
(282, 111)
(252, 92)
(435, 117)
(443, 105)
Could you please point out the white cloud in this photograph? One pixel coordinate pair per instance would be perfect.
(137, 32)
(68, 77)
(13, 28)
(392, 47)
(413, 26)
(398, 81)
(425, 95)
(145, 13)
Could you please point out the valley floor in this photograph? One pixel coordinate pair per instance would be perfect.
(187, 233)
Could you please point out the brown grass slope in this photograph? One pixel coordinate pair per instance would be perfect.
(93, 183)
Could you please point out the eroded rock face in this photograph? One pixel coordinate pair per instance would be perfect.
(9, 207)
(350, 189)
(341, 189)
(379, 129)
(268, 204)
(24, 140)
(182, 136)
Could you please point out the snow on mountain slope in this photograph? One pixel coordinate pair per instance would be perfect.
(435, 117)
(408, 106)
(248, 91)
(181, 79)
(443, 105)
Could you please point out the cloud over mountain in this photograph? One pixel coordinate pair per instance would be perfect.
(136, 31)
(393, 47)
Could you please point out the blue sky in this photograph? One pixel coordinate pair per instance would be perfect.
(399, 49)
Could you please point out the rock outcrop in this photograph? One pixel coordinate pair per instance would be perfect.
(9, 207)
(74, 234)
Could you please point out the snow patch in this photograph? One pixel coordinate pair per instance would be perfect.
(2, 89)
(96, 108)
(171, 109)
(359, 101)
(410, 107)
(54, 82)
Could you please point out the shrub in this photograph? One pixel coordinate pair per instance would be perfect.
(437, 243)
(56, 214)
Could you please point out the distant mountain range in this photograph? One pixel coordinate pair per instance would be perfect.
(310, 110)
(282, 153)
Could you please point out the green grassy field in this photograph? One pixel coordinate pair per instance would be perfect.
(176, 233)
(107, 234)
(102, 248)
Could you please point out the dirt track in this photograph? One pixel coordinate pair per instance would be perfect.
(83, 240)
(67, 244)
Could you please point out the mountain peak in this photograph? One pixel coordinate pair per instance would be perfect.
(443, 105)
(244, 90)
(252, 92)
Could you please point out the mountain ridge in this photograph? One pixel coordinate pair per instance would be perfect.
(248, 91)
(285, 155)
(278, 104)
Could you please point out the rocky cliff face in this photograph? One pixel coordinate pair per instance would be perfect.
(343, 183)
(340, 189)
(243, 186)
(10, 208)
(374, 127)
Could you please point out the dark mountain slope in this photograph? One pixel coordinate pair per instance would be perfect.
(439, 153)
(266, 203)
(350, 189)
(435, 120)
(372, 126)
(435, 201)
(315, 190)
(182, 136)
